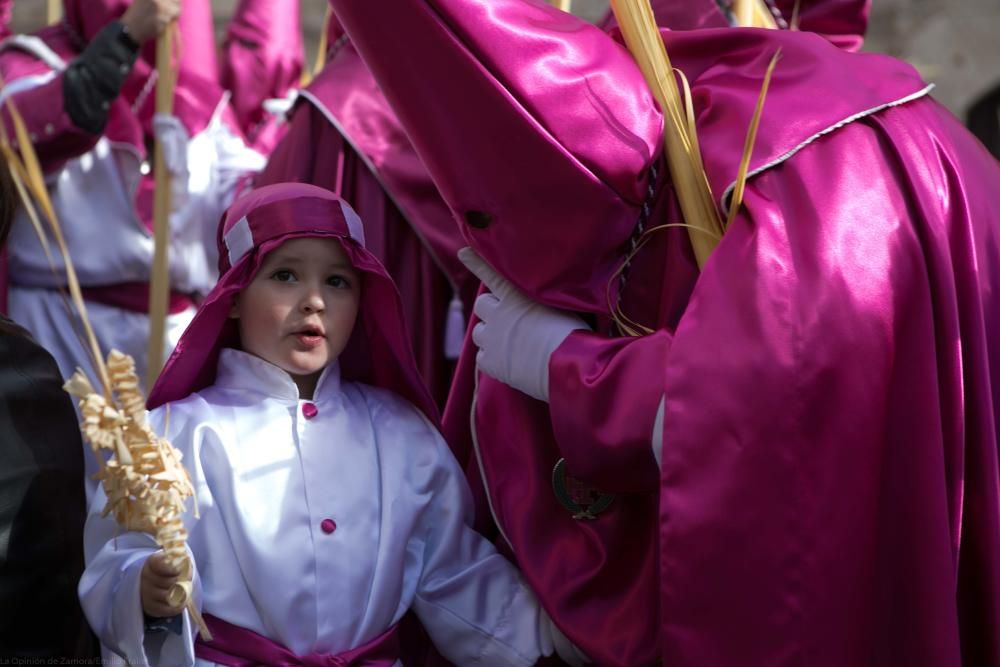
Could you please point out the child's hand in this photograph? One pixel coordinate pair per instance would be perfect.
(158, 576)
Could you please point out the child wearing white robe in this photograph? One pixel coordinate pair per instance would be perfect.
(329, 508)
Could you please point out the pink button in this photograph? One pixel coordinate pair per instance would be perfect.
(309, 410)
(328, 526)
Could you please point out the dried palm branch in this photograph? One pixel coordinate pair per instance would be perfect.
(642, 36)
(753, 14)
(53, 11)
(324, 45)
(701, 217)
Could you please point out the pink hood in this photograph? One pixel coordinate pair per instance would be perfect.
(378, 353)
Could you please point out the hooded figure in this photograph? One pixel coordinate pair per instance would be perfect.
(262, 65)
(325, 514)
(798, 463)
(85, 89)
(344, 136)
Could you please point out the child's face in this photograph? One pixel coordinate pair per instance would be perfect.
(299, 311)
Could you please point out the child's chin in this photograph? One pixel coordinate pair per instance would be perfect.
(304, 366)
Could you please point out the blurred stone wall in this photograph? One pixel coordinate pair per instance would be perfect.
(954, 43)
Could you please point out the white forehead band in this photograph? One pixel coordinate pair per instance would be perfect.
(239, 238)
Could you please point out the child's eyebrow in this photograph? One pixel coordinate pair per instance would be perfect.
(295, 259)
(342, 265)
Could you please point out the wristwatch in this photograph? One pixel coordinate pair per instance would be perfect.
(125, 38)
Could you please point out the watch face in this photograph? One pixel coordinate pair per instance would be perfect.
(125, 38)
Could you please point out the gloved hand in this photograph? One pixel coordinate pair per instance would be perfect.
(172, 138)
(516, 336)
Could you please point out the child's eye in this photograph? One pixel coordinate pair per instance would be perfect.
(338, 281)
(283, 276)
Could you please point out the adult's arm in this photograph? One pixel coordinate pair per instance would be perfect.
(66, 106)
(604, 394)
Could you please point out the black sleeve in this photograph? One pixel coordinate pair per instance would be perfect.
(42, 506)
(95, 78)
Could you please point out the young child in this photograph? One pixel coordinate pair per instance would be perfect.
(329, 503)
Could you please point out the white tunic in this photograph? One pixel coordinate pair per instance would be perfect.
(267, 478)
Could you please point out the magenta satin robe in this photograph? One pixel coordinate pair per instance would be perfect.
(343, 136)
(829, 489)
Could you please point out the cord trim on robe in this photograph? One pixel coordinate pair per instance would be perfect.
(724, 199)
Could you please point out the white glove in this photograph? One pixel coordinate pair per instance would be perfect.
(280, 106)
(172, 138)
(516, 337)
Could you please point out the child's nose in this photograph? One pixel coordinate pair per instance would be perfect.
(313, 301)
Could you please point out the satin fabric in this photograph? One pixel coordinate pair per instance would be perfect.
(515, 70)
(343, 136)
(830, 412)
(520, 63)
(6, 10)
(465, 87)
(238, 647)
(263, 59)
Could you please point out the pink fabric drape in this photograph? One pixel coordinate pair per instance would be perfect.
(829, 481)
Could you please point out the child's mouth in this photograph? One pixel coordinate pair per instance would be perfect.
(309, 338)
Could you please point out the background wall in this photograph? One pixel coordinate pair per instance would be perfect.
(954, 43)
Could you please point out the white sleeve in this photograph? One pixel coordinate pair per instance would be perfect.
(471, 600)
(109, 593)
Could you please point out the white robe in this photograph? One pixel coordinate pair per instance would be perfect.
(267, 478)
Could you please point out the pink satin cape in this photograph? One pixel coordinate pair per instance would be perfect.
(829, 479)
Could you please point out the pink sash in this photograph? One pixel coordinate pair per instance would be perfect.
(238, 647)
(134, 297)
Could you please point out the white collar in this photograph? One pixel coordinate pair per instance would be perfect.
(239, 370)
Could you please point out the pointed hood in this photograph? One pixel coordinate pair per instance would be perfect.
(533, 164)
(378, 352)
(540, 131)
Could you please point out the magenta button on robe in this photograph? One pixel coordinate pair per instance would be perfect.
(829, 487)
